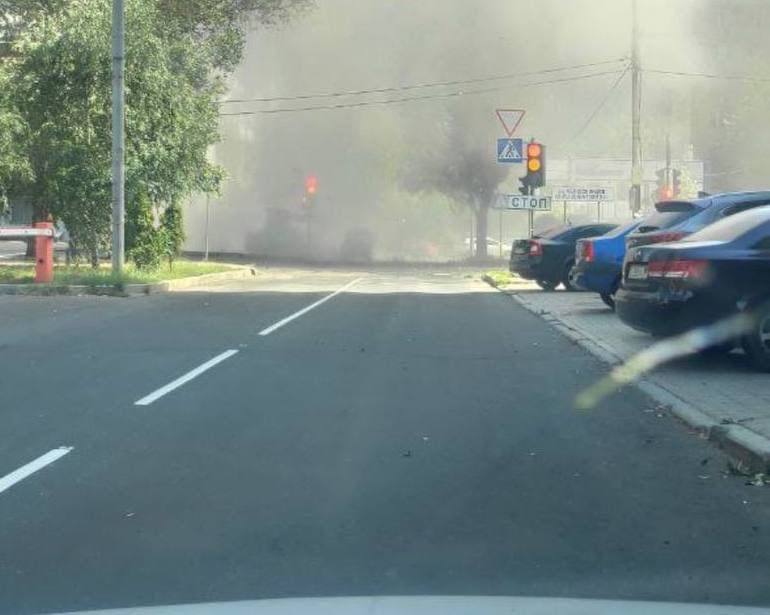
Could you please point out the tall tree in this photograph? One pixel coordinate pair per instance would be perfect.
(461, 168)
(178, 54)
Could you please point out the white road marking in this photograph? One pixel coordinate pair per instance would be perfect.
(304, 311)
(8, 481)
(155, 395)
(12, 255)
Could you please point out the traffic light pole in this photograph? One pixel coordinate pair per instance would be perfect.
(636, 108)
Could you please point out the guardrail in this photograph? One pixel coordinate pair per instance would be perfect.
(43, 233)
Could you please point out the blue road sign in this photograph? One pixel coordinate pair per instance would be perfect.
(510, 151)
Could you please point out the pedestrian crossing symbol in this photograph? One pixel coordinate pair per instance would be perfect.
(510, 151)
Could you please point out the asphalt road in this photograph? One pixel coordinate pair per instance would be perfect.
(414, 434)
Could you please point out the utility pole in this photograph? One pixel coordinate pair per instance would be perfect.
(636, 108)
(206, 248)
(669, 176)
(118, 135)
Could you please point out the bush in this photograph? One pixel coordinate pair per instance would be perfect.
(145, 244)
(173, 230)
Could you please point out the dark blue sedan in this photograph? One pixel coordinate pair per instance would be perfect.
(719, 271)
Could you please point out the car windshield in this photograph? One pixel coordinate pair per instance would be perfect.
(357, 303)
(732, 227)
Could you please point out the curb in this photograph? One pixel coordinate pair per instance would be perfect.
(127, 290)
(750, 450)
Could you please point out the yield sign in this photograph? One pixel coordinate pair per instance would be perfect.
(510, 119)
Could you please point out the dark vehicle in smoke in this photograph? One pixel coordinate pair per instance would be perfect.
(549, 256)
(676, 219)
(717, 272)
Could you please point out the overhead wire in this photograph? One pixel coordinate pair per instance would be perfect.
(390, 101)
(601, 104)
(676, 73)
(418, 86)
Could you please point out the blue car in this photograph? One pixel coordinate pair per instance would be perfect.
(599, 262)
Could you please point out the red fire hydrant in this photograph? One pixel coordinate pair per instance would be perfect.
(44, 254)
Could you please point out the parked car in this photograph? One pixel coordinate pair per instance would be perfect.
(599, 262)
(676, 219)
(671, 288)
(549, 256)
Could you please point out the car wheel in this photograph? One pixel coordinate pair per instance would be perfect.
(547, 284)
(757, 342)
(609, 298)
(565, 276)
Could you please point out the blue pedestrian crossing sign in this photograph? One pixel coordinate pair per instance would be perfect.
(510, 151)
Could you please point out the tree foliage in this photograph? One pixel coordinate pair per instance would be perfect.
(56, 149)
(462, 169)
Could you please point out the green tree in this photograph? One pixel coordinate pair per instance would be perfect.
(178, 54)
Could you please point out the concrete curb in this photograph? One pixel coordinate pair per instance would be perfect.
(750, 450)
(127, 290)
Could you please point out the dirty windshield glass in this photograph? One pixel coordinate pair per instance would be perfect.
(306, 307)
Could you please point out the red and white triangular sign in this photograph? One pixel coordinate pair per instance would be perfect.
(510, 119)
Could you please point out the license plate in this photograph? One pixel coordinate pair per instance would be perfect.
(637, 272)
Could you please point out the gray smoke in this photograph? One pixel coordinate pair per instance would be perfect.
(361, 155)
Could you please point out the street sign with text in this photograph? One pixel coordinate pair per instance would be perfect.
(526, 203)
(583, 195)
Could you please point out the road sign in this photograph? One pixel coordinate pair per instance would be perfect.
(510, 119)
(583, 195)
(526, 203)
(510, 151)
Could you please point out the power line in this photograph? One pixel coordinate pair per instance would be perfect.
(391, 101)
(417, 86)
(707, 75)
(601, 104)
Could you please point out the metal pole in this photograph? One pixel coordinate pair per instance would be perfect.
(669, 179)
(598, 211)
(565, 212)
(636, 108)
(500, 232)
(206, 251)
(118, 135)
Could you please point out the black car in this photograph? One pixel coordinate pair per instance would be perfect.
(676, 219)
(717, 272)
(548, 257)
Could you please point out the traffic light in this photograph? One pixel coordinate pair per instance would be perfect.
(535, 177)
(676, 182)
(536, 164)
(664, 191)
(311, 185)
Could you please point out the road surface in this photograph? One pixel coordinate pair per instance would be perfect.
(411, 434)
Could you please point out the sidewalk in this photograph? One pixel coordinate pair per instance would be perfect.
(721, 396)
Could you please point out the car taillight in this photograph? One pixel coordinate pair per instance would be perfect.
(535, 248)
(587, 250)
(682, 269)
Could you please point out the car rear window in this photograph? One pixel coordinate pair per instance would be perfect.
(554, 232)
(665, 219)
(622, 230)
(733, 226)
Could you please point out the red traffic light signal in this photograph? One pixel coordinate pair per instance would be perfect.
(311, 185)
